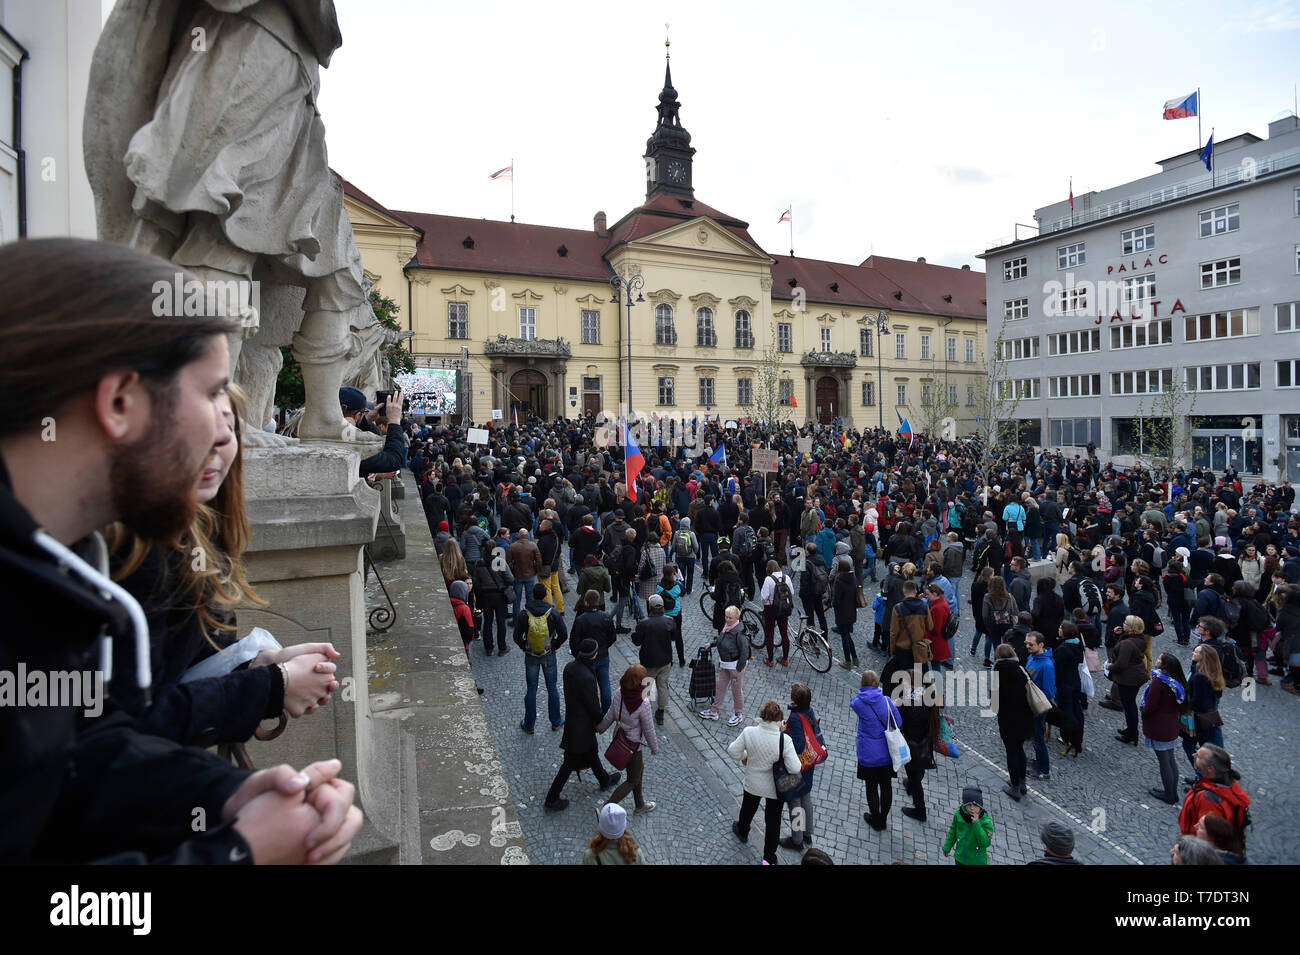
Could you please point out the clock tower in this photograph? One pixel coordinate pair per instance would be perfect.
(668, 151)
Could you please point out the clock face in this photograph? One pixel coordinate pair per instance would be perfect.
(676, 172)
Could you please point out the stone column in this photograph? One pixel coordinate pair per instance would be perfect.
(846, 391)
(809, 404)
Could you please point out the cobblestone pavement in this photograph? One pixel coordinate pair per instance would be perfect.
(1102, 795)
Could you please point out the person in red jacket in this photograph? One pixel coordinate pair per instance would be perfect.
(460, 610)
(1217, 792)
(939, 614)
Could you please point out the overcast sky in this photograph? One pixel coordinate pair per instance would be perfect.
(904, 129)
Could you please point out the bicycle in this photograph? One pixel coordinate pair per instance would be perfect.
(750, 621)
(814, 646)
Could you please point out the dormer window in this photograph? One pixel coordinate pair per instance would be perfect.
(793, 283)
(835, 286)
(898, 295)
(468, 242)
(687, 203)
(947, 298)
(563, 251)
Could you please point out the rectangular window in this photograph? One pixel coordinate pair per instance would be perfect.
(826, 339)
(527, 323)
(744, 331)
(1297, 258)
(1287, 316)
(1146, 382)
(1297, 212)
(666, 396)
(925, 396)
(864, 342)
(868, 393)
(784, 339)
(1139, 435)
(787, 391)
(458, 320)
(1017, 349)
(1237, 323)
(1074, 343)
(706, 391)
(665, 333)
(1138, 240)
(1075, 432)
(970, 396)
(1019, 388)
(1236, 377)
(1015, 308)
(1013, 269)
(1159, 332)
(902, 395)
(1074, 386)
(1288, 373)
(590, 327)
(970, 349)
(1140, 288)
(705, 336)
(1220, 273)
(744, 391)
(952, 394)
(900, 345)
(1219, 221)
(925, 347)
(591, 384)
(1072, 299)
(952, 349)
(1068, 256)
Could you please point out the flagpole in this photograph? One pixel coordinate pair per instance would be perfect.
(512, 188)
(791, 207)
(1198, 117)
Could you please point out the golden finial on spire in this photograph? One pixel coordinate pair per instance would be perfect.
(667, 44)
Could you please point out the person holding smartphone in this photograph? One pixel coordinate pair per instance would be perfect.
(388, 416)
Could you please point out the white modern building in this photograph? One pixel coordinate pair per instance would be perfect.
(45, 52)
(1187, 275)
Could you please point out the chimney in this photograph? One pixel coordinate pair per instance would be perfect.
(965, 268)
(599, 222)
(921, 260)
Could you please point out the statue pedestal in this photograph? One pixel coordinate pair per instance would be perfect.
(310, 515)
(390, 534)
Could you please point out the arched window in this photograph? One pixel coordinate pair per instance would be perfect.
(744, 333)
(705, 336)
(664, 332)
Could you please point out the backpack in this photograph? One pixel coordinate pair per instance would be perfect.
(951, 624)
(745, 544)
(1234, 667)
(670, 602)
(539, 633)
(821, 580)
(683, 543)
(1001, 618)
(1090, 595)
(1231, 613)
(1158, 557)
(782, 598)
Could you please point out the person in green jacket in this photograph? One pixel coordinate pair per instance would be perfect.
(971, 830)
(613, 844)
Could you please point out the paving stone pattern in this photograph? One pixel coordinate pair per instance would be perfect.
(696, 785)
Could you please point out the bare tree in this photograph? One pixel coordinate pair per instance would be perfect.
(769, 407)
(938, 412)
(996, 399)
(1164, 429)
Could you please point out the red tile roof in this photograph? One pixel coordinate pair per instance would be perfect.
(934, 285)
(349, 189)
(664, 212)
(514, 247)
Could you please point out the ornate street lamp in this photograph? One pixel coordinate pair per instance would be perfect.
(881, 321)
(626, 287)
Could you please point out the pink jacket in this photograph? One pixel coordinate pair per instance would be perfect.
(638, 724)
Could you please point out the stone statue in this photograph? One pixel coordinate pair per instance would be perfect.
(203, 144)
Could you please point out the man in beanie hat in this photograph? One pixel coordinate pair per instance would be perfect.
(971, 830)
(1058, 844)
(582, 713)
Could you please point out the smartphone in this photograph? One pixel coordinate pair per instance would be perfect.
(381, 398)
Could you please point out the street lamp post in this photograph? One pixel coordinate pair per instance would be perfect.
(627, 286)
(882, 329)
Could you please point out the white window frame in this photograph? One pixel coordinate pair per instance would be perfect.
(865, 344)
(951, 347)
(1074, 386)
(665, 329)
(1074, 343)
(952, 394)
(708, 391)
(785, 390)
(1146, 381)
(970, 349)
(1162, 327)
(706, 336)
(900, 346)
(590, 320)
(1220, 220)
(457, 314)
(868, 394)
(1195, 375)
(1139, 239)
(1013, 269)
(784, 337)
(1292, 312)
(1024, 389)
(744, 391)
(925, 347)
(1015, 309)
(826, 340)
(926, 393)
(1018, 349)
(1294, 371)
(900, 393)
(1071, 300)
(970, 396)
(528, 323)
(744, 329)
(667, 389)
(1071, 256)
(1220, 273)
(1217, 326)
(1139, 288)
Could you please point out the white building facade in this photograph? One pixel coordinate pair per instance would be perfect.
(1188, 276)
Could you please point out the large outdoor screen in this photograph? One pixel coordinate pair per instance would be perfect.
(431, 391)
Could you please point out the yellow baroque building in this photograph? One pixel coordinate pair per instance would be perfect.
(533, 311)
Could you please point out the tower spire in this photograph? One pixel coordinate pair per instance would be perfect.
(668, 151)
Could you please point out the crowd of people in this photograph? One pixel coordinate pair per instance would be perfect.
(1071, 568)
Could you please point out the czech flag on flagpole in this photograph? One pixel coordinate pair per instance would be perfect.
(785, 216)
(719, 455)
(506, 172)
(1182, 107)
(633, 462)
(905, 427)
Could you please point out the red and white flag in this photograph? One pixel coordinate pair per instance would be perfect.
(785, 216)
(507, 173)
(1071, 193)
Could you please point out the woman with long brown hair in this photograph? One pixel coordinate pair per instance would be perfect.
(613, 844)
(189, 591)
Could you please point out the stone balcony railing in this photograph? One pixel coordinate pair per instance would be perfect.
(530, 347)
(830, 359)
